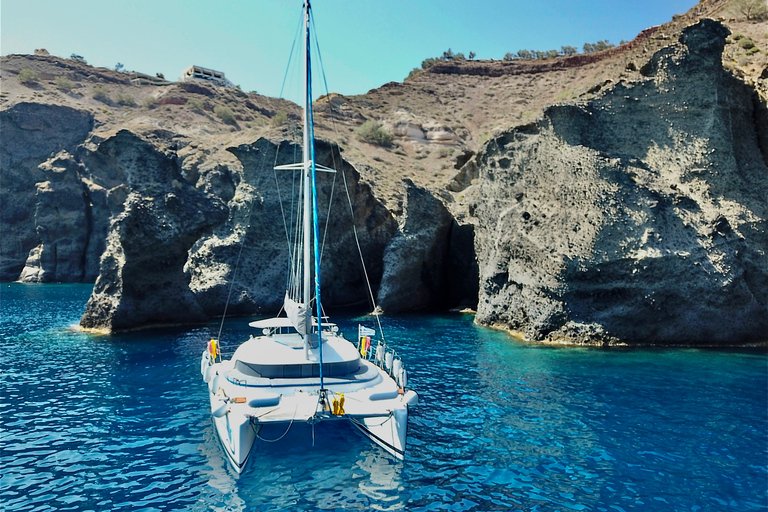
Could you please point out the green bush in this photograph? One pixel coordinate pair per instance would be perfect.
(753, 50)
(149, 102)
(225, 114)
(746, 43)
(280, 119)
(126, 100)
(414, 72)
(63, 84)
(28, 77)
(196, 105)
(373, 132)
(101, 93)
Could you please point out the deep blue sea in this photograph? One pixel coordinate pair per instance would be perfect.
(122, 423)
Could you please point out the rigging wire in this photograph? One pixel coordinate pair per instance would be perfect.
(346, 185)
(251, 206)
(242, 246)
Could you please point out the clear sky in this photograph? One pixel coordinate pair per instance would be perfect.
(364, 43)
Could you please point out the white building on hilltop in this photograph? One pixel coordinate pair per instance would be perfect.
(193, 73)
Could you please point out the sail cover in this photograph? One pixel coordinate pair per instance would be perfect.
(298, 314)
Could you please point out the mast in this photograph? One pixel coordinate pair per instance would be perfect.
(307, 288)
(310, 185)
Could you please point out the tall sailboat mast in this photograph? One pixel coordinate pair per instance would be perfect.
(311, 225)
(307, 158)
(266, 385)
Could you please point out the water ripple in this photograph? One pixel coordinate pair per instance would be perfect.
(121, 423)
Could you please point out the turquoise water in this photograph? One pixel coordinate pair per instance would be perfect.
(122, 423)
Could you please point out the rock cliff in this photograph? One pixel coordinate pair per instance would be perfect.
(430, 262)
(33, 133)
(141, 280)
(636, 217)
(249, 252)
(614, 198)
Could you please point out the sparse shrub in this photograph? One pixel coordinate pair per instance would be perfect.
(746, 43)
(753, 10)
(195, 105)
(28, 77)
(101, 93)
(413, 73)
(598, 46)
(126, 100)
(149, 102)
(280, 119)
(753, 50)
(63, 84)
(373, 132)
(446, 56)
(78, 58)
(225, 114)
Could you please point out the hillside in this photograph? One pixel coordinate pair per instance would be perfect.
(424, 201)
(438, 116)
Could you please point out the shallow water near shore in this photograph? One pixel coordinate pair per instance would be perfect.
(92, 422)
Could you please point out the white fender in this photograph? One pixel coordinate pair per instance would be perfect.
(388, 360)
(411, 398)
(380, 354)
(402, 378)
(264, 400)
(209, 373)
(397, 365)
(214, 384)
(220, 411)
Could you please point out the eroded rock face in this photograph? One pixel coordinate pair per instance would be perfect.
(415, 259)
(258, 275)
(32, 133)
(424, 265)
(62, 220)
(142, 280)
(639, 217)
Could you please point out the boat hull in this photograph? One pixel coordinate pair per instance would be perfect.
(235, 432)
(243, 411)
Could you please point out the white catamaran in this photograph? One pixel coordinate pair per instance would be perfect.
(299, 370)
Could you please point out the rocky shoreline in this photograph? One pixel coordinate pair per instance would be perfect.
(637, 217)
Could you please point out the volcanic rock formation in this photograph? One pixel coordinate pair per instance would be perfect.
(250, 252)
(633, 211)
(637, 217)
(142, 280)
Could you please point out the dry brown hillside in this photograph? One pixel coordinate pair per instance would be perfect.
(439, 116)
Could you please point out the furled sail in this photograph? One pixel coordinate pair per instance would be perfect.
(299, 314)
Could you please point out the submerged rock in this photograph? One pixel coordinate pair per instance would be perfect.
(638, 217)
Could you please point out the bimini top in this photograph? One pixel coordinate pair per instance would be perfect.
(279, 322)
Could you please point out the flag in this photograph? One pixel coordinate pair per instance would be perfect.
(365, 331)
